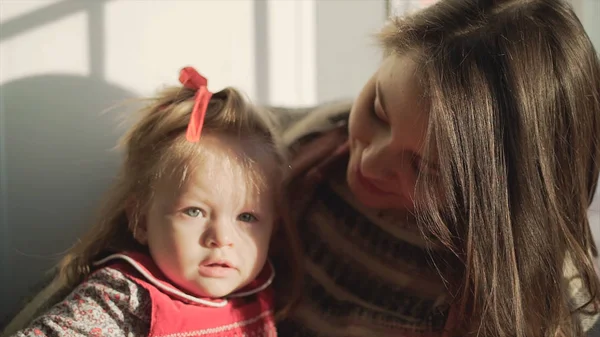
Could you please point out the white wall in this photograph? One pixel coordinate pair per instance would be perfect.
(588, 12)
(347, 52)
(138, 45)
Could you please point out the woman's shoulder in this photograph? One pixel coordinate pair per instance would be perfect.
(298, 124)
(579, 295)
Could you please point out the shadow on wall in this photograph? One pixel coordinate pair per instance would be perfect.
(59, 157)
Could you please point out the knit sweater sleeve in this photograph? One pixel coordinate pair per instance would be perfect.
(106, 304)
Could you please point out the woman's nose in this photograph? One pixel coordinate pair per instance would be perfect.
(378, 162)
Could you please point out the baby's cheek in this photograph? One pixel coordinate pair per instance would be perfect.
(251, 242)
(255, 248)
(185, 232)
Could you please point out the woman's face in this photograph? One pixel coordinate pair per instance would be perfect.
(388, 123)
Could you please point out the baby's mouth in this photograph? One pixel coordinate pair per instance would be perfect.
(219, 264)
(216, 269)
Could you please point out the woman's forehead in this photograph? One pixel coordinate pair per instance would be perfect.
(399, 92)
(399, 83)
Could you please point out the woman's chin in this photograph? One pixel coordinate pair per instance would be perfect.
(364, 197)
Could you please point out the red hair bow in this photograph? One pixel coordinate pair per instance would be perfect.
(191, 79)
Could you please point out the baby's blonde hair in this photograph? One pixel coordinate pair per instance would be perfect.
(156, 147)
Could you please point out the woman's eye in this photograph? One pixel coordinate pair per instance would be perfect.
(378, 113)
(193, 212)
(374, 112)
(420, 167)
(247, 217)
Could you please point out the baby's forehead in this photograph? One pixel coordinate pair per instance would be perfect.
(226, 146)
(219, 185)
(228, 169)
(248, 159)
(219, 163)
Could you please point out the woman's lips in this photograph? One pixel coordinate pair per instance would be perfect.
(369, 185)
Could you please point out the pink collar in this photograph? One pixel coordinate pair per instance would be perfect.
(150, 271)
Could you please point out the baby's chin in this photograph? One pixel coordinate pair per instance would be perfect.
(205, 293)
(208, 287)
(213, 290)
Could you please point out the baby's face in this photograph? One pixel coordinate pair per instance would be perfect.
(211, 235)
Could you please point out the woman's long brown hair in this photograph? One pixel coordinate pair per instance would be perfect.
(514, 88)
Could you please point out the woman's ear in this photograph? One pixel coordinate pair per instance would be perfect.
(136, 221)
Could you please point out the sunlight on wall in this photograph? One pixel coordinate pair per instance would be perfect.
(400, 7)
(147, 42)
(60, 46)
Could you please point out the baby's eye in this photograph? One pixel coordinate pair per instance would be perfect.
(193, 212)
(247, 217)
